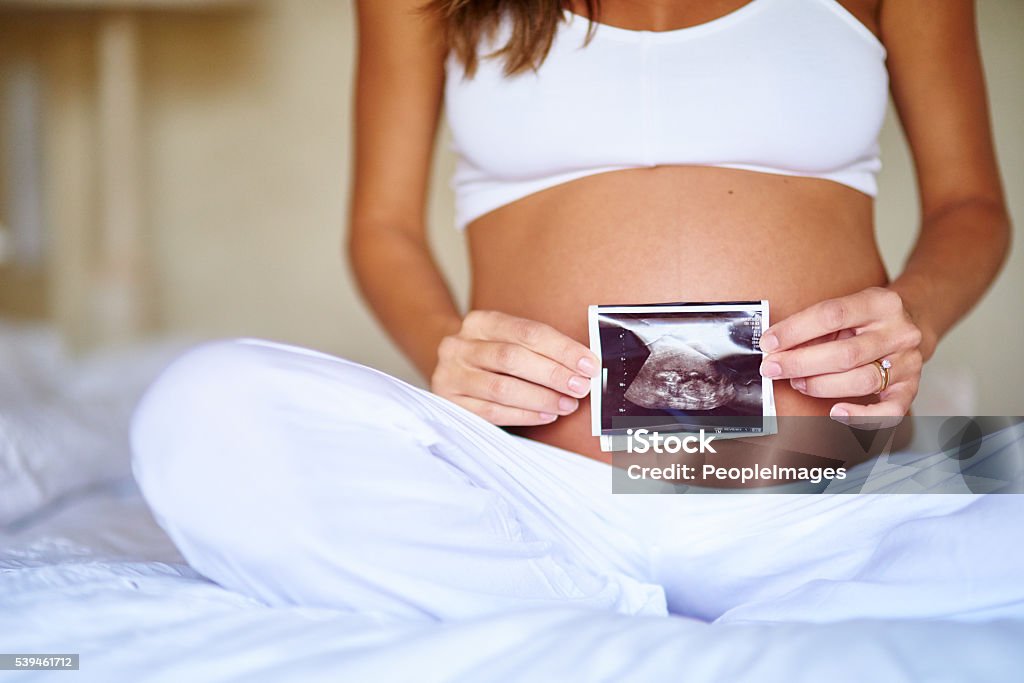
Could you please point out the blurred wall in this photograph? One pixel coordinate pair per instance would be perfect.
(246, 158)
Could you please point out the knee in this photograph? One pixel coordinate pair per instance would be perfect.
(178, 428)
(237, 384)
(200, 385)
(233, 408)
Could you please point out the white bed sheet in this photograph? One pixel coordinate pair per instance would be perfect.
(91, 573)
(94, 575)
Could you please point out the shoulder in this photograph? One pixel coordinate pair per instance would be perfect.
(399, 24)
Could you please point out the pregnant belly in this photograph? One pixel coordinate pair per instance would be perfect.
(672, 234)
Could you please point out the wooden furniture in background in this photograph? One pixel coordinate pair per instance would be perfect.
(119, 306)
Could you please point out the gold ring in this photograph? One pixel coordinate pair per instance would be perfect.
(883, 365)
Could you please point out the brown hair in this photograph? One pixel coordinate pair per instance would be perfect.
(534, 24)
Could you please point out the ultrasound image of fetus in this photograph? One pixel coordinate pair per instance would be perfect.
(677, 375)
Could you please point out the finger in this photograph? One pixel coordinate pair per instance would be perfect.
(519, 361)
(830, 357)
(505, 416)
(514, 392)
(829, 316)
(544, 339)
(861, 381)
(887, 413)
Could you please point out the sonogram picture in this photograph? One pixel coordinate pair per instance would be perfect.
(680, 368)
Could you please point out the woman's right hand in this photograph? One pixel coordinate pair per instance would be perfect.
(512, 371)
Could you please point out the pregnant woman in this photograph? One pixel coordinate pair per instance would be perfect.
(613, 152)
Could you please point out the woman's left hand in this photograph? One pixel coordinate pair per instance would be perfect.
(828, 351)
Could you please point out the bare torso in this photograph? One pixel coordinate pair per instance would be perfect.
(672, 233)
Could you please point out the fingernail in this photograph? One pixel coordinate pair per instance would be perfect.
(799, 383)
(771, 369)
(587, 367)
(547, 417)
(578, 385)
(567, 405)
(769, 342)
(839, 414)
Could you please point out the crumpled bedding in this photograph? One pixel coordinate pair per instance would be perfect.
(64, 419)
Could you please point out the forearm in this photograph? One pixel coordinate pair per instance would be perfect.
(958, 254)
(407, 293)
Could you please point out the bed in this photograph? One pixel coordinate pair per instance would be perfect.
(84, 569)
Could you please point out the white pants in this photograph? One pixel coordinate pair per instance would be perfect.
(300, 478)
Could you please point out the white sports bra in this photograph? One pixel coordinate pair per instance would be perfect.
(795, 87)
